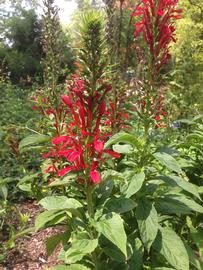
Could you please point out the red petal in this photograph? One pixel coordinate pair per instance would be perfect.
(98, 146)
(65, 170)
(66, 100)
(112, 153)
(73, 156)
(95, 177)
(60, 139)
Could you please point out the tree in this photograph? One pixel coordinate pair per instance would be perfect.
(22, 47)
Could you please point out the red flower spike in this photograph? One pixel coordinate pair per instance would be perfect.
(157, 16)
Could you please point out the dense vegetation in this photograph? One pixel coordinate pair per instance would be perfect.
(102, 125)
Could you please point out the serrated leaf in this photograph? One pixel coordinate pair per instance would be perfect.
(111, 226)
(135, 184)
(170, 245)
(33, 139)
(168, 161)
(147, 219)
(120, 205)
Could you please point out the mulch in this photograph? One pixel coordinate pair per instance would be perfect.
(29, 252)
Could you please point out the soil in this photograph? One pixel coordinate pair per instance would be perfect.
(29, 252)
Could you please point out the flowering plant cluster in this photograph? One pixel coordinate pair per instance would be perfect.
(157, 24)
(79, 142)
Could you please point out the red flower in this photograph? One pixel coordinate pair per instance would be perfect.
(82, 145)
(98, 146)
(157, 118)
(95, 177)
(157, 26)
(60, 139)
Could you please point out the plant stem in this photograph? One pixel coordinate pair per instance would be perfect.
(90, 209)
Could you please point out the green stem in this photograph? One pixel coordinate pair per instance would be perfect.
(90, 209)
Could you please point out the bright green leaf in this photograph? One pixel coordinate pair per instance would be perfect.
(147, 219)
(59, 203)
(135, 184)
(123, 148)
(170, 245)
(79, 248)
(33, 139)
(185, 185)
(111, 226)
(168, 161)
(46, 217)
(123, 137)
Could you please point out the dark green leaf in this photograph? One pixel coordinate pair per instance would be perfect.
(53, 241)
(120, 205)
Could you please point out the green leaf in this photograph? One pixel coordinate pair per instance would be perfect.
(33, 139)
(25, 187)
(4, 181)
(197, 235)
(120, 205)
(46, 217)
(136, 260)
(79, 248)
(194, 260)
(63, 182)
(123, 137)
(69, 267)
(177, 204)
(163, 268)
(168, 161)
(174, 180)
(170, 245)
(114, 254)
(111, 226)
(53, 241)
(104, 190)
(147, 219)
(28, 178)
(59, 203)
(123, 148)
(169, 206)
(135, 184)
(3, 192)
